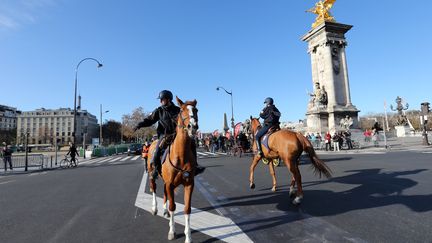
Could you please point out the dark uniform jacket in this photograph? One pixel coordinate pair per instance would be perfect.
(271, 115)
(167, 118)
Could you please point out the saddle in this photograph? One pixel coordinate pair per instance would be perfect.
(264, 139)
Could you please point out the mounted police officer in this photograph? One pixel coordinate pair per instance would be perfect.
(166, 116)
(271, 116)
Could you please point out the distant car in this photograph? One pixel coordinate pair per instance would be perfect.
(134, 149)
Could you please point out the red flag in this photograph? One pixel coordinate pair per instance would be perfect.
(237, 129)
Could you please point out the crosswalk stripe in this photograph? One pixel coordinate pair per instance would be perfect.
(93, 161)
(125, 158)
(221, 153)
(115, 159)
(104, 160)
(136, 157)
(201, 153)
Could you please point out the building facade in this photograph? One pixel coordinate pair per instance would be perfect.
(45, 126)
(8, 117)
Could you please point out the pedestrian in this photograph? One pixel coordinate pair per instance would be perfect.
(7, 156)
(375, 137)
(340, 140)
(327, 141)
(73, 151)
(145, 152)
(313, 139)
(347, 136)
(318, 141)
(335, 139)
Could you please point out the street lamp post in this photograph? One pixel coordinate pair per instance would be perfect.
(232, 106)
(425, 109)
(75, 95)
(26, 149)
(100, 127)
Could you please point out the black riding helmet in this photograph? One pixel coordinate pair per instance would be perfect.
(268, 101)
(165, 94)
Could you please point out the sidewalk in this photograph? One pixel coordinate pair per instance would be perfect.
(32, 169)
(393, 144)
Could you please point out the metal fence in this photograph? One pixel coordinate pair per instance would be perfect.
(111, 150)
(33, 160)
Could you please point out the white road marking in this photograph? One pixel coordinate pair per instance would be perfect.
(201, 153)
(428, 152)
(221, 153)
(213, 225)
(91, 161)
(136, 157)
(118, 158)
(125, 158)
(6, 182)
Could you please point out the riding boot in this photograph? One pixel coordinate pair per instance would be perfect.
(157, 163)
(259, 152)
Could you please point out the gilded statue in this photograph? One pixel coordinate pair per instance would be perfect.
(322, 10)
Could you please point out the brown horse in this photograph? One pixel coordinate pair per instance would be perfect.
(178, 167)
(288, 146)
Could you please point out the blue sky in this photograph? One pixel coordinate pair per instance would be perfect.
(252, 47)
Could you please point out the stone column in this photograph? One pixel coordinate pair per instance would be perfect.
(345, 72)
(330, 87)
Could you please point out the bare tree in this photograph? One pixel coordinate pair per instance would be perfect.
(131, 121)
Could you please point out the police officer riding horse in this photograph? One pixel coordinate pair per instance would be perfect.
(271, 116)
(166, 115)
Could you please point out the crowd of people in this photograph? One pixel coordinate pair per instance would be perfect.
(330, 141)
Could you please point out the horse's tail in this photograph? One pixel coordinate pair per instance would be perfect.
(318, 165)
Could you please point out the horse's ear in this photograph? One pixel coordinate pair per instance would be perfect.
(251, 118)
(179, 101)
(194, 102)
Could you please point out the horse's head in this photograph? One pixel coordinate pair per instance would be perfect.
(188, 117)
(255, 125)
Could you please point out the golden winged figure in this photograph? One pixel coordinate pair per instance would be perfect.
(322, 10)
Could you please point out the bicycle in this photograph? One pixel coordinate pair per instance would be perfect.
(67, 163)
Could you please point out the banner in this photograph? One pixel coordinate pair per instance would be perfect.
(237, 128)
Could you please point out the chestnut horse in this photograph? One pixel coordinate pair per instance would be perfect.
(178, 167)
(288, 146)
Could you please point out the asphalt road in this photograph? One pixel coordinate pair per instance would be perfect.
(371, 198)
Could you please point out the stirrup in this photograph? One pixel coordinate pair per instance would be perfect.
(155, 174)
(199, 170)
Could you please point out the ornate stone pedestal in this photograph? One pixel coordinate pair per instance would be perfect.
(330, 80)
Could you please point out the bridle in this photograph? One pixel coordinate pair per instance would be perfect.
(182, 125)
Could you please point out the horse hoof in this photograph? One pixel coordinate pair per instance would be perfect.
(166, 214)
(252, 185)
(154, 211)
(273, 189)
(292, 193)
(188, 241)
(297, 200)
(171, 236)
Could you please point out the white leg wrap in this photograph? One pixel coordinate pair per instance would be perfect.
(165, 211)
(187, 231)
(171, 233)
(154, 204)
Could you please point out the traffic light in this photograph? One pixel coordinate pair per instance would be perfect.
(425, 108)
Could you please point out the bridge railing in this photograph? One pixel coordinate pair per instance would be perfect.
(33, 160)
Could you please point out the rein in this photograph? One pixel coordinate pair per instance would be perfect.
(185, 173)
